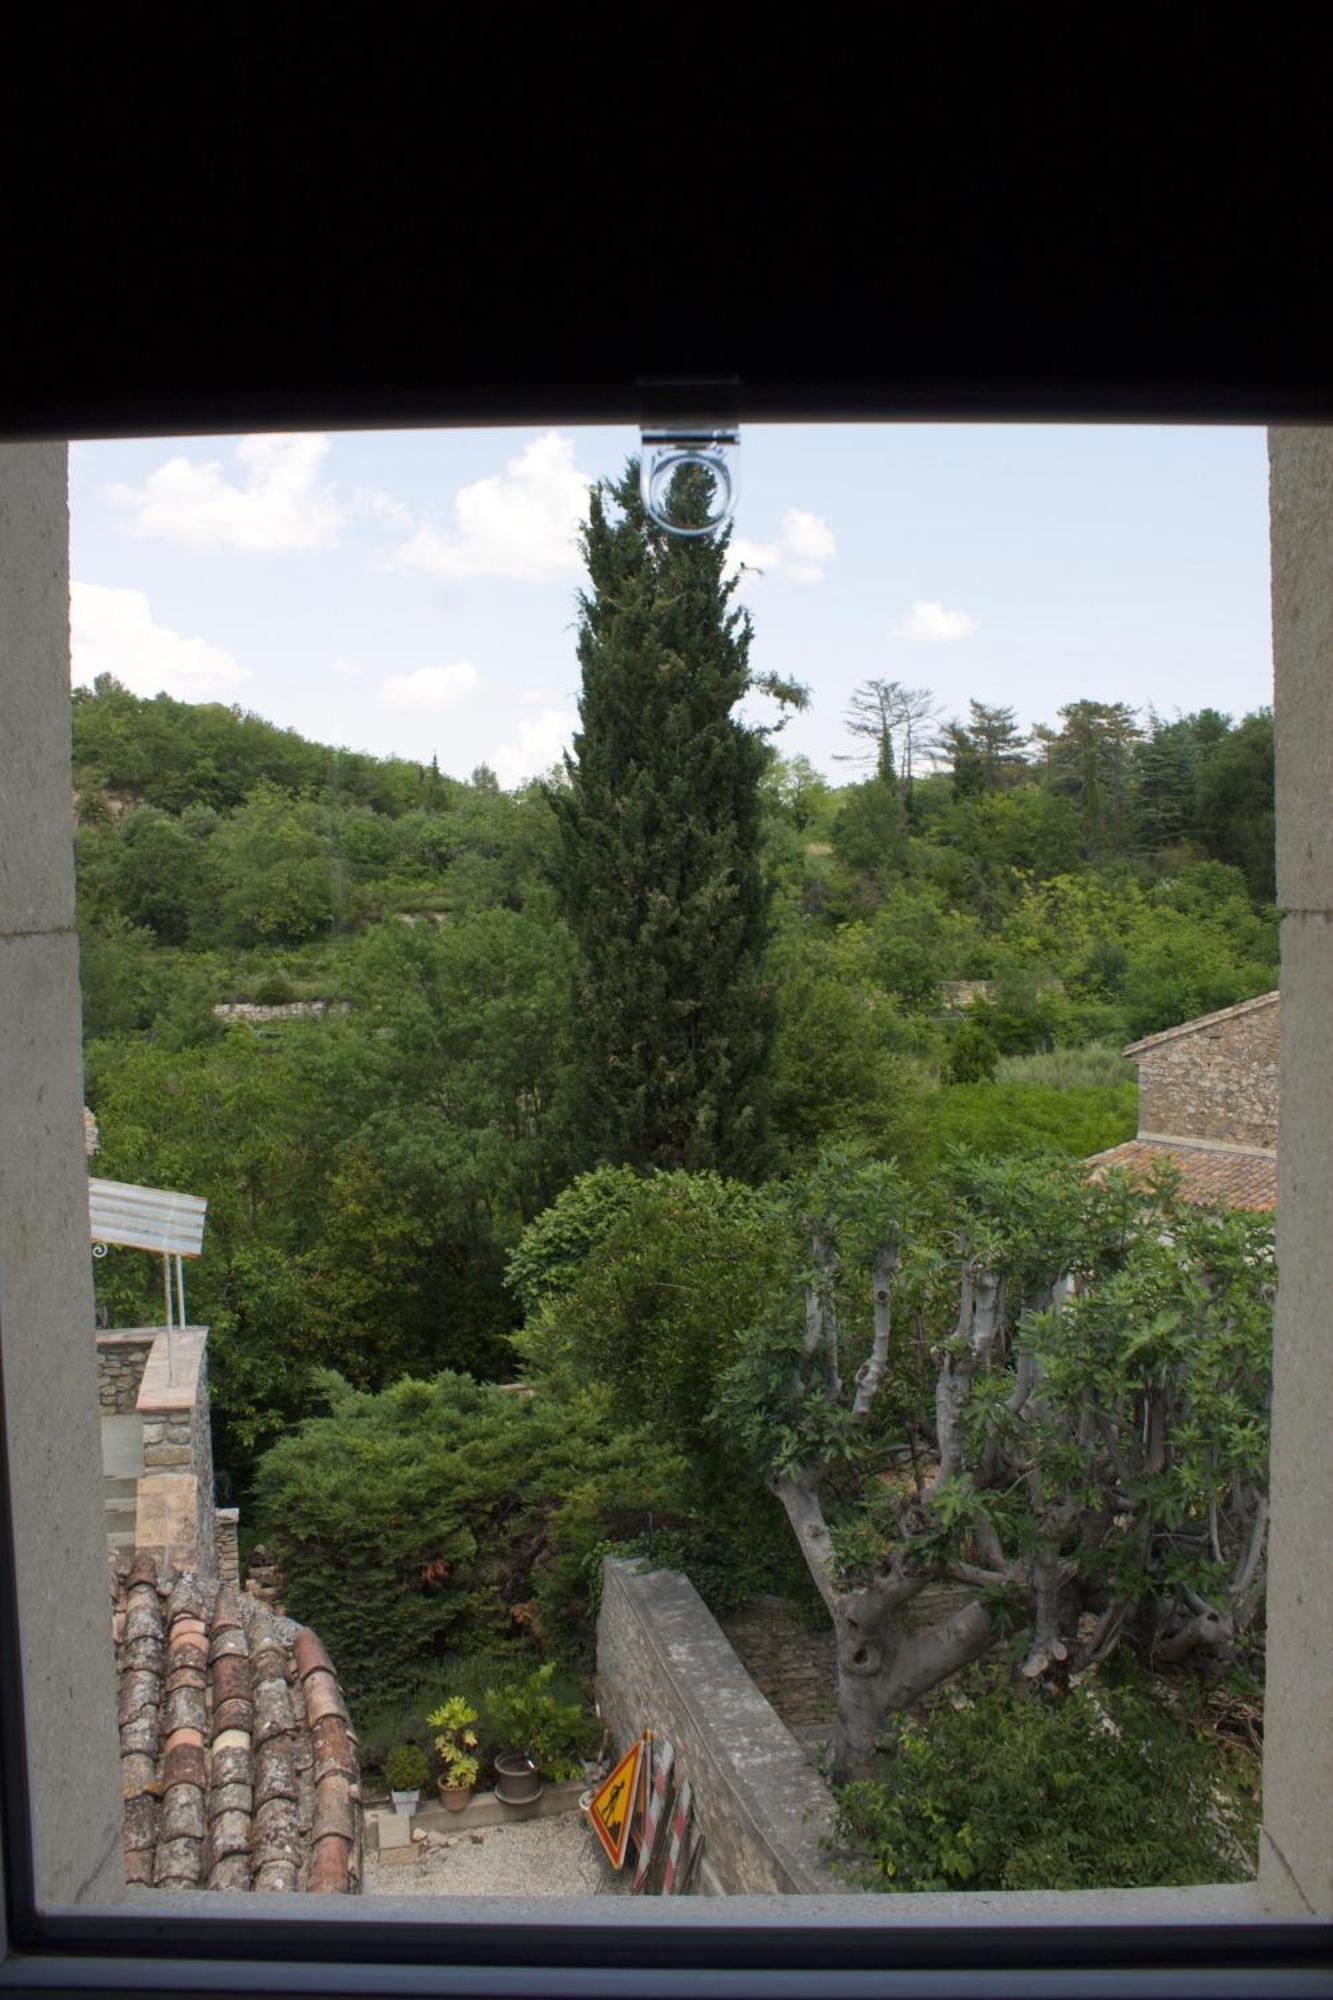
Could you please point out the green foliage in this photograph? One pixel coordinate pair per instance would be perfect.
(1096, 1066)
(447, 1515)
(674, 1263)
(1031, 1118)
(390, 1187)
(528, 1718)
(973, 1054)
(1089, 1368)
(456, 1741)
(840, 1072)
(406, 1768)
(1099, 1788)
(659, 869)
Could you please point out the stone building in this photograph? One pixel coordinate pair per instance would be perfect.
(1208, 1104)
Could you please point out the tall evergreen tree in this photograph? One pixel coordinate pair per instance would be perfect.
(659, 868)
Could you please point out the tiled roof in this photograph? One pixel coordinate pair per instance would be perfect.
(1202, 1022)
(1209, 1173)
(238, 1760)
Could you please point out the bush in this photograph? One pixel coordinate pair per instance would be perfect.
(406, 1768)
(450, 1516)
(994, 1119)
(973, 1054)
(1092, 1789)
(529, 1717)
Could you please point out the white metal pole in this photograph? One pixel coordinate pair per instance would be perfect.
(166, 1287)
(180, 1289)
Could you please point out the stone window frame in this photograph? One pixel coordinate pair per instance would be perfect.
(58, 1807)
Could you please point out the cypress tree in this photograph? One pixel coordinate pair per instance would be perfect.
(658, 869)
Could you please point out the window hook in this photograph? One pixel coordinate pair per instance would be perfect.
(689, 423)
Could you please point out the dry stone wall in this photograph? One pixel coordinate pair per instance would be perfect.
(121, 1360)
(1218, 1081)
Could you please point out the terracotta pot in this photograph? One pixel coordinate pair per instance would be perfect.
(455, 1797)
(516, 1780)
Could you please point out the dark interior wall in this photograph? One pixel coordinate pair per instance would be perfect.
(257, 217)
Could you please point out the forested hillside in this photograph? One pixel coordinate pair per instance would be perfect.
(369, 1168)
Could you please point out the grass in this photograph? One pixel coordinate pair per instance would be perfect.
(1099, 1066)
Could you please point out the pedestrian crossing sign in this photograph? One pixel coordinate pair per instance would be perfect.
(611, 1808)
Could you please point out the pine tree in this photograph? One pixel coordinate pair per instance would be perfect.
(658, 869)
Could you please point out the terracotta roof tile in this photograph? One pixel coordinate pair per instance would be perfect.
(231, 1777)
(1208, 1173)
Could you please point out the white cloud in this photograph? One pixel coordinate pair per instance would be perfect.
(805, 544)
(929, 624)
(382, 506)
(521, 526)
(809, 542)
(547, 695)
(114, 632)
(345, 670)
(279, 504)
(538, 745)
(430, 688)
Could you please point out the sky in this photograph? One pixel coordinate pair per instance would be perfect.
(415, 593)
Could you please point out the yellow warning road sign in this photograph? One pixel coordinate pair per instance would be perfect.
(611, 1808)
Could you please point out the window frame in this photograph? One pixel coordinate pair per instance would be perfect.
(360, 1948)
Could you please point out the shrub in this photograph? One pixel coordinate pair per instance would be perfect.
(1000, 1118)
(973, 1054)
(406, 1768)
(1093, 1789)
(450, 1516)
(455, 1741)
(529, 1717)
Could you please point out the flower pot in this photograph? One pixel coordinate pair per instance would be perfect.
(406, 1802)
(455, 1797)
(516, 1780)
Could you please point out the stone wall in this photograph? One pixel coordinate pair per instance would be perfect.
(226, 1541)
(287, 1010)
(663, 1663)
(1216, 1080)
(175, 1507)
(121, 1359)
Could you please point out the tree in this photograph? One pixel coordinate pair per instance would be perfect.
(1000, 745)
(1236, 802)
(1089, 761)
(658, 870)
(881, 712)
(1083, 1452)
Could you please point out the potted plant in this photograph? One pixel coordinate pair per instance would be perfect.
(544, 1736)
(455, 1745)
(406, 1769)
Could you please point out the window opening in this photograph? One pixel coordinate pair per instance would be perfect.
(895, 722)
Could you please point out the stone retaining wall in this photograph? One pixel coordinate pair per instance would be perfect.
(121, 1359)
(663, 1663)
(287, 1010)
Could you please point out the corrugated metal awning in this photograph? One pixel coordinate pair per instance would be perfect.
(141, 1218)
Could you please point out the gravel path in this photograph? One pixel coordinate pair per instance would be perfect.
(541, 1857)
